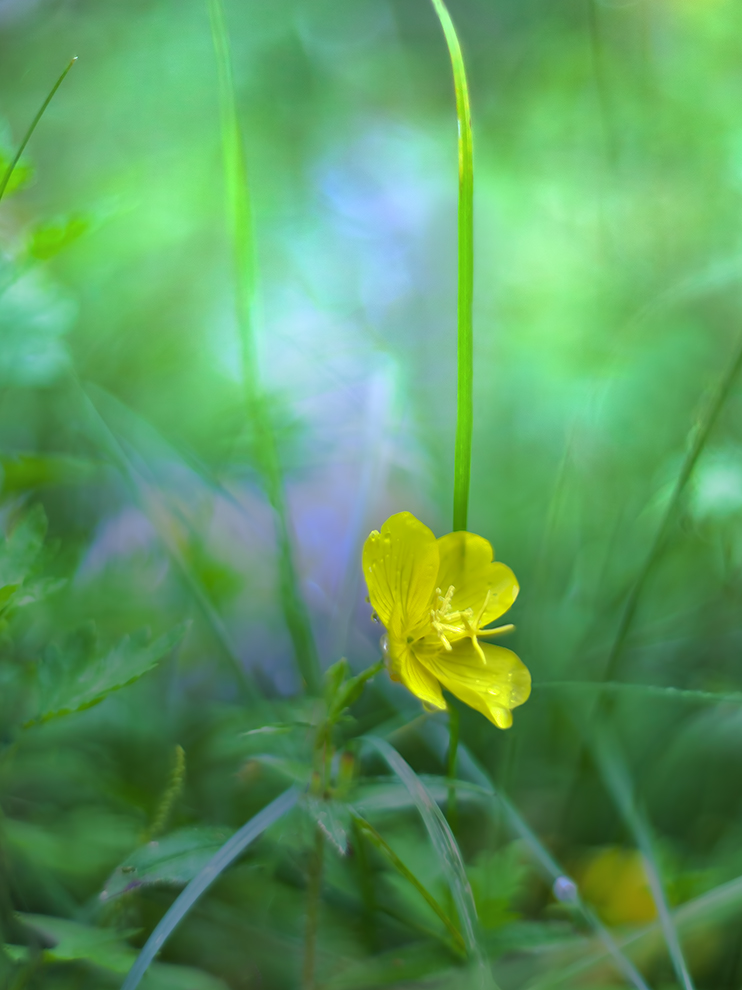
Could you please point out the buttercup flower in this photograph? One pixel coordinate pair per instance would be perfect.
(435, 598)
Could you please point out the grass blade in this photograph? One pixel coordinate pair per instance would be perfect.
(465, 336)
(240, 212)
(380, 843)
(618, 783)
(32, 127)
(704, 426)
(551, 869)
(200, 883)
(448, 853)
(152, 505)
(647, 690)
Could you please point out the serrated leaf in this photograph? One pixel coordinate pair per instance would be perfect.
(74, 677)
(21, 548)
(73, 942)
(173, 860)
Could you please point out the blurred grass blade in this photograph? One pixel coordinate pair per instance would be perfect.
(32, 127)
(448, 854)
(238, 193)
(465, 347)
(152, 505)
(617, 780)
(185, 901)
(704, 426)
(378, 841)
(647, 690)
(715, 906)
(541, 855)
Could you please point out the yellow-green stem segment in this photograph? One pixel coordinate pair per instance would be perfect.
(465, 347)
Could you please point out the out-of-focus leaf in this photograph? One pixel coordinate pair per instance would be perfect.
(495, 878)
(392, 968)
(35, 315)
(21, 549)
(23, 471)
(333, 818)
(173, 860)
(16, 953)
(18, 556)
(75, 677)
(49, 239)
(21, 175)
(106, 947)
(163, 976)
(72, 941)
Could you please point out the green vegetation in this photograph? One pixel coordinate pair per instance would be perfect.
(254, 301)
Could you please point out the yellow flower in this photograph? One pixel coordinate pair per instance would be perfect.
(435, 597)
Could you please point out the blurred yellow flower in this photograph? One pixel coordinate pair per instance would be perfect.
(615, 882)
(435, 598)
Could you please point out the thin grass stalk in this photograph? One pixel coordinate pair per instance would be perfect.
(203, 880)
(705, 425)
(152, 508)
(240, 211)
(618, 783)
(400, 867)
(433, 735)
(32, 127)
(450, 858)
(465, 345)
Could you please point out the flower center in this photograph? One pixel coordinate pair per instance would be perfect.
(445, 619)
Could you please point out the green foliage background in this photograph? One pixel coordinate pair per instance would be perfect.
(149, 691)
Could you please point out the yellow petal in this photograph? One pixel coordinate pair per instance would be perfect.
(492, 687)
(466, 563)
(400, 565)
(417, 679)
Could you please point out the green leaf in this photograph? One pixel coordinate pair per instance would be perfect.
(392, 968)
(72, 942)
(163, 976)
(449, 856)
(495, 878)
(172, 861)
(22, 547)
(107, 948)
(20, 177)
(75, 677)
(23, 471)
(49, 239)
(16, 953)
(334, 677)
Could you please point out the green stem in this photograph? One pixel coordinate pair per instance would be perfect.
(240, 210)
(27, 136)
(465, 349)
(314, 889)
